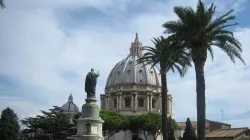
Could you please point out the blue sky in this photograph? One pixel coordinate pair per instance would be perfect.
(47, 47)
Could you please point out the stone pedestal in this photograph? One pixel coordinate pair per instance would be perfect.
(89, 125)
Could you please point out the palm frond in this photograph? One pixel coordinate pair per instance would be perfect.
(2, 5)
(230, 50)
(210, 50)
(221, 20)
(231, 40)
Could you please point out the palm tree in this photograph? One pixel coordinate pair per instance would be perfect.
(170, 58)
(2, 4)
(199, 31)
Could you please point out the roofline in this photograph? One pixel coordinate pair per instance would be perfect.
(210, 121)
(247, 129)
(219, 122)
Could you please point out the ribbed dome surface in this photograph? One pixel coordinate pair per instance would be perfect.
(70, 106)
(127, 71)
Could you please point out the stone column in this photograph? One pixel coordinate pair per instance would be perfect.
(103, 102)
(119, 100)
(107, 102)
(132, 102)
(151, 102)
(148, 102)
(135, 101)
(169, 103)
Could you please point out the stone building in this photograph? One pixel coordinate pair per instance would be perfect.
(209, 127)
(133, 89)
(229, 134)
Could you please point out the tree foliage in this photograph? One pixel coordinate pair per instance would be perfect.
(148, 124)
(152, 125)
(170, 58)
(200, 32)
(171, 126)
(2, 5)
(113, 122)
(9, 127)
(75, 117)
(53, 123)
(189, 133)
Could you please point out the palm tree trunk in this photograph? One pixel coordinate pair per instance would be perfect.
(200, 99)
(164, 102)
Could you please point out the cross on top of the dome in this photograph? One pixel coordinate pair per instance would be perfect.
(70, 99)
(136, 47)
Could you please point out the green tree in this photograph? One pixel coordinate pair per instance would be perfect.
(169, 57)
(136, 124)
(54, 123)
(171, 128)
(113, 122)
(199, 30)
(189, 133)
(152, 125)
(2, 5)
(76, 117)
(148, 124)
(9, 128)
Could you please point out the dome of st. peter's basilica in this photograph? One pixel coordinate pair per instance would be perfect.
(133, 88)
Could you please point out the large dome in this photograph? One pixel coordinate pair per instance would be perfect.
(127, 71)
(70, 107)
(133, 88)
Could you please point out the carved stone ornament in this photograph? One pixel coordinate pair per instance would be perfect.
(87, 128)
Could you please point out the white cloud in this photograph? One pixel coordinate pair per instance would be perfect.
(34, 49)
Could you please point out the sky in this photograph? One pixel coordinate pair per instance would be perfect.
(48, 46)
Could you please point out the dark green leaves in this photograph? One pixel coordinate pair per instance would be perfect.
(9, 127)
(54, 122)
(169, 54)
(198, 29)
(2, 5)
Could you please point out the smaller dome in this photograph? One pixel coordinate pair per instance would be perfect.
(70, 106)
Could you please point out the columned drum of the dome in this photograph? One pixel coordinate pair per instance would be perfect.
(133, 88)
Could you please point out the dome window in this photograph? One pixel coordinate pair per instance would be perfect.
(140, 71)
(151, 72)
(118, 72)
(128, 71)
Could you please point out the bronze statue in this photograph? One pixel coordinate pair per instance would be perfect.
(90, 83)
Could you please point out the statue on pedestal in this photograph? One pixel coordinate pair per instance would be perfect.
(89, 125)
(90, 83)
